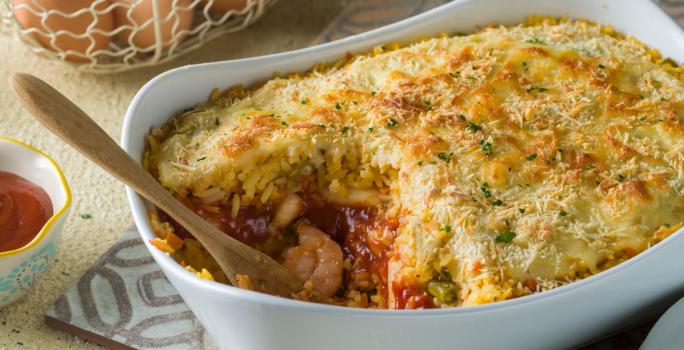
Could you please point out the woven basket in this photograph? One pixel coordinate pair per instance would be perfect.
(121, 54)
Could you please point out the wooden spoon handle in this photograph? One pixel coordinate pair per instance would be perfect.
(72, 125)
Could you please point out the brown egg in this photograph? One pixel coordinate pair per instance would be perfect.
(77, 25)
(176, 20)
(225, 5)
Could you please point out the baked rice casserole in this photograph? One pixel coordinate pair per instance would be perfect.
(458, 170)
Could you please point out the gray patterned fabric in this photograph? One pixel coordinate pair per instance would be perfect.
(126, 298)
(124, 301)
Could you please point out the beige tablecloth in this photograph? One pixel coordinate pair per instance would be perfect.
(290, 24)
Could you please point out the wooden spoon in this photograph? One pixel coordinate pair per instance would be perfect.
(72, 125)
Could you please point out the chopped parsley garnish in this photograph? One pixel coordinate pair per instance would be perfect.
(446, 228)
(621, 178)
(532, 156)
(391, 123)
(497, 203)
(486, 147)
(454, 75)
(373, 93)
(601, 66)
(86, 216)
(445, 156)
(345, 129)
(320, 126)
(505, 237)
(371, 129)
(426, 102)
(521, 210)
(303, 101)
(535, 87)
(535, 41)
(216, 122)
(485, 190)
(563, 213)
(201, 159)
(338, 105)
(283, 123)
(473, 127)
(420, 163)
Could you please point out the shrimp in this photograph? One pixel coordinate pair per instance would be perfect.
(317, 258)
(288, 210)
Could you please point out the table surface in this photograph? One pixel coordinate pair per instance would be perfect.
(288, 25)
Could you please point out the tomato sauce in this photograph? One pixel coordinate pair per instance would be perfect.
(249, 226)
(349, 226)
(24, 209)
(411, 297)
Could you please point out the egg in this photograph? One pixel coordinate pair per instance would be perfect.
(78, 25)
(225, 5)
(175, 15)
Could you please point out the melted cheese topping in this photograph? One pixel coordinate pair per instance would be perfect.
(517, 159)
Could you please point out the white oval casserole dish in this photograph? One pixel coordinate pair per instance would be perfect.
(630, 293)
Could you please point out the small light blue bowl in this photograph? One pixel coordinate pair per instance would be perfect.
(21, 268)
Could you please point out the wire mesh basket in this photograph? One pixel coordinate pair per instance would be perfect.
(107, 36)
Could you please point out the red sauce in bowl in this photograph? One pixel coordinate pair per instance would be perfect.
(24, 208)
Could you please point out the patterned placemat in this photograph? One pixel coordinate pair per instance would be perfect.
(125, 302)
